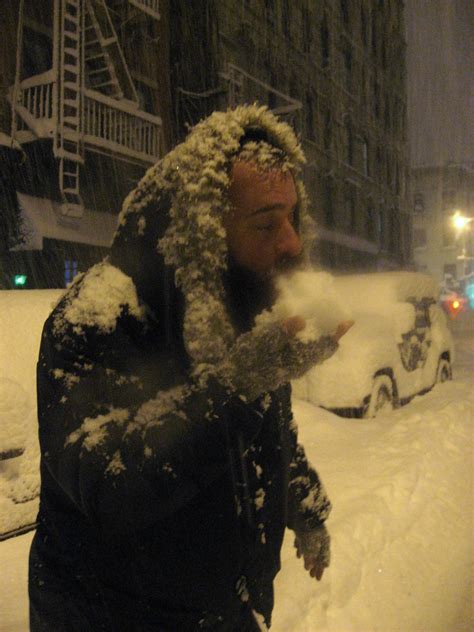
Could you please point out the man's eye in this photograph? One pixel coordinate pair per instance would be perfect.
(264, 228)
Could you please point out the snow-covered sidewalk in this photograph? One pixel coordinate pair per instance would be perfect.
(402, 489)
(401, 525)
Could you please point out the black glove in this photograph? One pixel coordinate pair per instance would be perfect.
(314, 546)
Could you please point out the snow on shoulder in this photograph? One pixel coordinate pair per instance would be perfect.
(103, 293)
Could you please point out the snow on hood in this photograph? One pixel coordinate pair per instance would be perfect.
(189, 185)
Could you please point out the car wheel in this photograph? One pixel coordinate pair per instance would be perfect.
(381, 397)
(444, 372)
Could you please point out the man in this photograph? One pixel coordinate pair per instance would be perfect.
(170, 464)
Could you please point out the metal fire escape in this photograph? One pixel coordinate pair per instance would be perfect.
(68, 145)
(88, 48)
(87, 99)
(107, 69)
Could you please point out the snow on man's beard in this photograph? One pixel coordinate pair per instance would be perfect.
(249, 293)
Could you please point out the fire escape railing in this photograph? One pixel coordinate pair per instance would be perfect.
(107, 123)
(152, 7)
(245, 88)
(36, 96)
(88, 100)
(112, 125)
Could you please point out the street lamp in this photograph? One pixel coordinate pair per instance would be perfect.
(461, 223)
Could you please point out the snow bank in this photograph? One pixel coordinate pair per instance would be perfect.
(22, 315)
(401, 525)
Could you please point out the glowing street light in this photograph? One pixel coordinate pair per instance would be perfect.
(460, 222)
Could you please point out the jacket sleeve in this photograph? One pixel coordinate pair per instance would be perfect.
(308, 503)
(124, 457)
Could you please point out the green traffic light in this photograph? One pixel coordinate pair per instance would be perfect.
(19, 280)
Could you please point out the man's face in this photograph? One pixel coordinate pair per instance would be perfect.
(261, 235)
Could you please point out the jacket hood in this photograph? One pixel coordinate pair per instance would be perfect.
(171, 225)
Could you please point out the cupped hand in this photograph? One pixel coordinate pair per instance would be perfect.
(295, 324)
(342, 329)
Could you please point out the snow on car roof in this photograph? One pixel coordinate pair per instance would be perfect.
(385, 288)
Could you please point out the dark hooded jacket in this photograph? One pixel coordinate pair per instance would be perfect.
(164, 496)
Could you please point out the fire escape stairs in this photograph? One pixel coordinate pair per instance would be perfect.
(68, 145)
(106, 67)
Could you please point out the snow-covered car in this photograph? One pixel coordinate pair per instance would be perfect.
(22, 315)
(399, 346)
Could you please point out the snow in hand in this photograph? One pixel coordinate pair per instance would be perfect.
(311, 295)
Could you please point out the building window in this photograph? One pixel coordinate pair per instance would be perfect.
(327, 133)
(401, 179)
(383, 233)
(325, 52)
(374, 34)
(363, 26)
(370, 222)
(37, 53)
(419, 238)
(418, 204)
(147, 100)
(380, 165)
(307, 32)
(351, 219)
(397, 179)
(387, 116)
(377, 104)
(348, 66)
(70, 270)
(449, 237)
(311, 177)
(365, 157)
(389, 171)
(309, 117)
(384, 57)
(285, 17)
(393, 231)
(328, 203)
(345, 11)
(448, 199)
(349, 143)
(270, 7)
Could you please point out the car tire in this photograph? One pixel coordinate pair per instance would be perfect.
(381, 397)
(444, 372)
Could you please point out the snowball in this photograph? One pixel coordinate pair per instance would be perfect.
(311, 295)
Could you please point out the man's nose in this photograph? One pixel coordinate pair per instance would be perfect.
(289, 242)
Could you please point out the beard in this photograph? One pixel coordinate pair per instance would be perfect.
(249, 293)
